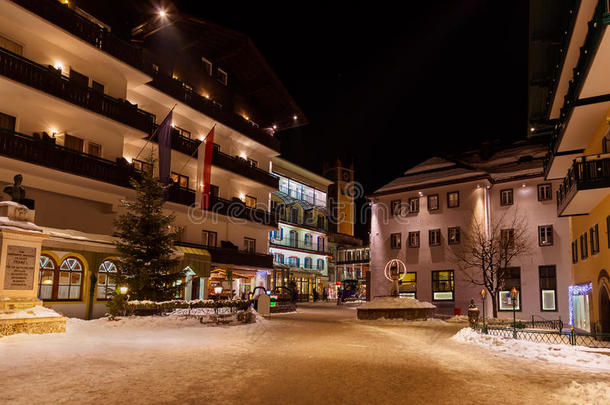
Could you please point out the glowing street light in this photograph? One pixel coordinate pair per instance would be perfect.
(162, 13)
(483, 294)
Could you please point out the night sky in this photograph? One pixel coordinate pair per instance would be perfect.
(386, 87)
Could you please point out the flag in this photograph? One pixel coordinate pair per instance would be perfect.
(204, 169)
(164, 139)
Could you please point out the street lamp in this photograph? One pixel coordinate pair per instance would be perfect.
(513, 297)
(483, 294)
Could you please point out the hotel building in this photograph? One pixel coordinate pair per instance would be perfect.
(78, 108)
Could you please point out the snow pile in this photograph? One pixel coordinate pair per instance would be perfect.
(34, 312)
(396, 303)
(6, 222)
(458, 319)
(574, 356)
(595, 393)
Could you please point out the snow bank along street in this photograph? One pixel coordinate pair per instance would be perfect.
(320, 354)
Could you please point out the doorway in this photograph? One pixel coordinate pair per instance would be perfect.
(604, 308)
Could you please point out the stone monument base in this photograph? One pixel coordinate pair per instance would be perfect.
(56, 324)
(18, 303)
(396, 308)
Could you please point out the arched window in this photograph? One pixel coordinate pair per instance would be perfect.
(70, 279)
(106, 280)
(47, 276)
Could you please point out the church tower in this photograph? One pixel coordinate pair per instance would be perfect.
(341, 198)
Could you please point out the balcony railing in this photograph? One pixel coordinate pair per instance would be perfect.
(235, 256)
(174, 88)
(233, 164)
(32, 150)
(88, 31)
(308, 222)
(299, 244)
(51, 81)
(585, 174)
(234, 209)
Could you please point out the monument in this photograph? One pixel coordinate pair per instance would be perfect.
(20, 243)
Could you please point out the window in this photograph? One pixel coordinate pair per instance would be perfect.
(434, 237)
(222, 76)
(141, 166)
(506, 197)
(395, 207)
(320, 264)
(453, 199)
(414, 239)
(106, 280)
(293, 261)
(46, 278)
(252, 162)
(453, 235)
(7, 122)
(507, 238)
(442, 285)
(545, 235)
(70, 279)
(512, 278)
(408, 285)
(209, 238)
(294, 215)
(584, 246)
(278, 258)
(97, 87)
(321, 243)
(413, 205)
(250, 245)
(207, 66)
(250, 201)
(594, 239)
(433, 201)
(321, 222)
(308, 262)
(544, 192)
(395, 241)
(78, 78)
(292, 238)
(308, 240)
(548, 288)
(94, 149)
(12, 46)
(73, 142)
(179, 179)
(575, 251)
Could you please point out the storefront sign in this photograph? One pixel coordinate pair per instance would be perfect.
(20, 267)
(338, 282)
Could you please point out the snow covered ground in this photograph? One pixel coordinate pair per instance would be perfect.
(321, 354)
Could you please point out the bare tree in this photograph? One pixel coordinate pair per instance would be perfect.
(487, 252)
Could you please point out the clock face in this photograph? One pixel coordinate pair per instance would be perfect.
(345, 175)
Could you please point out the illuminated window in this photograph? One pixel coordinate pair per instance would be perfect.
(414, 239)
(511, 279)
(141, 166)
(70, 279)
(548, 288)
(453, 199)
(414, 205)
(434, 237)
(179, 179)
(545, 235)
(208, 238)
(453, 235)
(250, 201)
(442, 285)
(433, 202)
(106, 280)
(408, 285)
(395, 207)
(545, 192)
(46, 278)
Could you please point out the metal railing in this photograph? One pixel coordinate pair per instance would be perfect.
(589, 172)
(299, 244)
(51, 81)
(88, 31)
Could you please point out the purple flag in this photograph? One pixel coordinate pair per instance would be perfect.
(164, 137)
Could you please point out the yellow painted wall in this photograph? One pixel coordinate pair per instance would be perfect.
(345, 212)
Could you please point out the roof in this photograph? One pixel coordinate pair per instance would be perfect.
(517, 161)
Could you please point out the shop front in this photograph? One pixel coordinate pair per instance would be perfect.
(226, 283)
(580, 297)
(307, 282)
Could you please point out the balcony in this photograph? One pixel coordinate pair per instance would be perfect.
(235, 256)
(234, 209)
(51, 81)
(585, 186)
(220, 159)
(300, 245)
(43, 153)
(77, 25)
(175, 89)
(309, 222)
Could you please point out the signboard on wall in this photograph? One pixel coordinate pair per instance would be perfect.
(20, 267)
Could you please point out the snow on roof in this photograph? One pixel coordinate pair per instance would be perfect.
(421, 179)
(430, 164)
(77, 235)
(7, 223)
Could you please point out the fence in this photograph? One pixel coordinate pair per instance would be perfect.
(558, 336)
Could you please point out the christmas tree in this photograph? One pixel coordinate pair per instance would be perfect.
(147, 265)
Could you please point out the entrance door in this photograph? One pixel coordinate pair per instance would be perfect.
(195, 290)
(604, 309)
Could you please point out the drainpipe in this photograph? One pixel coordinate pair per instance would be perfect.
(487, 212)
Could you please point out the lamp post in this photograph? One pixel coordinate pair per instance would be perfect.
(483, 294)
(513, 297)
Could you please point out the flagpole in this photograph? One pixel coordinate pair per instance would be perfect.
(155, 131)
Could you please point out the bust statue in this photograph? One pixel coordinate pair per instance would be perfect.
(16, 191)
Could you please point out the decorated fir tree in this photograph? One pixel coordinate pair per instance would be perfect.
(145, 242)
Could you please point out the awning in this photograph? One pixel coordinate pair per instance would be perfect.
(199, 260)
